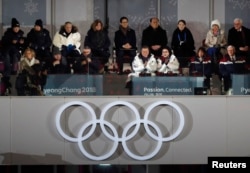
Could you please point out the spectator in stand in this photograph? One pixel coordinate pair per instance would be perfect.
(144, 64)
(13, 44)
(32, 77)
(38, 38)
(239, 37)
(57, 66)
(68, 40)
(155, 37)
(216, 44)
(231, 63)
(183, 44)
(125, 43)
(98, 41)
(167, 63)
(86, 63)
(200, 65)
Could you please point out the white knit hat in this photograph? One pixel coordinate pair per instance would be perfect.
(215, 22)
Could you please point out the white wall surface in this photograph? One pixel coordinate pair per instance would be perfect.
(214, 126)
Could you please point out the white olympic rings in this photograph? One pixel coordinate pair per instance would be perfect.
(115, 138)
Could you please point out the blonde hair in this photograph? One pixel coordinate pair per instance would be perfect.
(29, 50)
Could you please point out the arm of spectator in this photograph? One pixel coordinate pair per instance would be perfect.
(57, 41)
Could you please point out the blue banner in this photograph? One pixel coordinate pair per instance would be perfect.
(241, 84)
(155, 86)
(73, 85)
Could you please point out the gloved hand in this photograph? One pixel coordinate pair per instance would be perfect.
(70, 47)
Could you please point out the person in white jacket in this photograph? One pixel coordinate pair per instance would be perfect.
(144, 63)
(167, 63)
(68, 40)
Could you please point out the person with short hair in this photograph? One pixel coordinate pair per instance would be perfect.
(231, 63)
(168, 63)
(86, 63)
(125, 43)
(155, 37)
(68, 40)
(239, 37)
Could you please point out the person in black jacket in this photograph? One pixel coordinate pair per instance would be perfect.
(40, 41)
(125, 43)
(155, 37)
(13, 44)
(183, 43)
(59, 63)
(98, 41)
(86, 63)
(239, 37)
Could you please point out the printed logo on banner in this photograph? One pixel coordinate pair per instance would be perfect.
(73, 85)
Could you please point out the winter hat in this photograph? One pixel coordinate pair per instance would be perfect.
(14, 23)
(215, 22)
(39, 22)
(56, 51)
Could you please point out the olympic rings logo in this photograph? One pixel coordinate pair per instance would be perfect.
(124, 137)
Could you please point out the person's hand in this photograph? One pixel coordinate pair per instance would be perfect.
(84, 62)
(14, 41)
(127, 46)
(56, 62)
(245, 48)
(21, 41)
(156, 47)
(70, 47)
(88, 60)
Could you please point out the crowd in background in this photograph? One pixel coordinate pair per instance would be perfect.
(34, 56)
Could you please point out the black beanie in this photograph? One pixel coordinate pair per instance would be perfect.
(39, 22)
(14, 23)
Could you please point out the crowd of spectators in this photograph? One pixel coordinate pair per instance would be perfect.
(39, 54)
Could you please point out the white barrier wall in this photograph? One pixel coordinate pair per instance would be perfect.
(213, 126)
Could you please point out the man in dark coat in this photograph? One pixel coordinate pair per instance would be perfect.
(125, 43)
(39, 39)
(239, 37)
(155, 37)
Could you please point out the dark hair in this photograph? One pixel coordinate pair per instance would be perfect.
(153, 18)
(183, 21)
(95, 23)
(169, 50)
(122, 18)
(202, 49)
